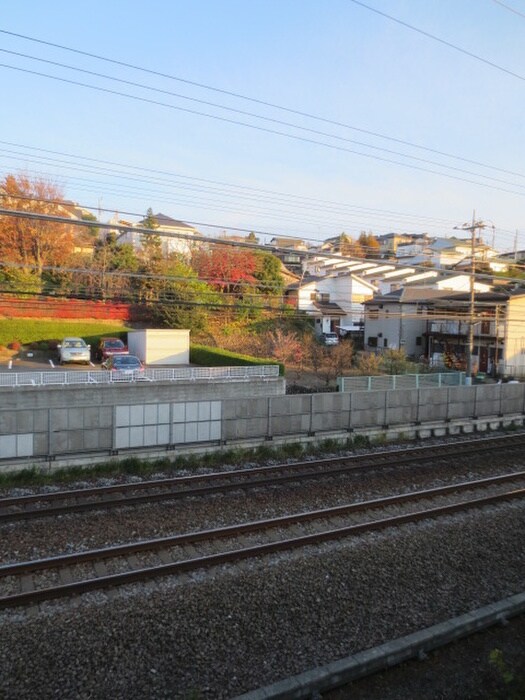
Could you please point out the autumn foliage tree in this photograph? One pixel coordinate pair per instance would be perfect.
(229, 270)
(30, 245)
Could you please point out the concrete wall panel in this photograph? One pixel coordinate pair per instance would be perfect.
(82, 427)
(24, 445)
(7, 422)
(8, 445)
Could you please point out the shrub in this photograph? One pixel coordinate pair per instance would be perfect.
(15, 345)
(216, 357)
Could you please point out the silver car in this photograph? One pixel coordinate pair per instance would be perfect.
(330, 338)
(74, 350)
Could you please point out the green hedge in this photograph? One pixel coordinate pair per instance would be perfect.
(215, 357)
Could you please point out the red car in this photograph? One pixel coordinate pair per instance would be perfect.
(108, 347)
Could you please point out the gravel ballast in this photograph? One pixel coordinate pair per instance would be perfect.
(218, 634)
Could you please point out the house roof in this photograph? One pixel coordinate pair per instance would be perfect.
(329, 308)
(408, 295)
(167, 222)
(283, 242)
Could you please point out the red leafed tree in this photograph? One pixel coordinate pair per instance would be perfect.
(226, 269)
(30, 243)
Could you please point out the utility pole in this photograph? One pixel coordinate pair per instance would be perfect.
(472, 304)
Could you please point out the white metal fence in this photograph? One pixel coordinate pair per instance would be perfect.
(162, 374)
(400, 381)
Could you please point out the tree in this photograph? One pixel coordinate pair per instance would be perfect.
(150, 220)
(151, 242)
(109, 259)
(394, 361)
(268, 274)
(33, 244)
(181, 299)
(229, 270)
(283, 346)
(369, 364)
(369, 244)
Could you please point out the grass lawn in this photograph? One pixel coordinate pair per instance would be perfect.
(39, 330)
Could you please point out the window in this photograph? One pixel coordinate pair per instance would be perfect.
(418, 340)
(385, 342)
(372, 342)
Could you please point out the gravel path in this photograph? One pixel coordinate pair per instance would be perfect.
(215, 636)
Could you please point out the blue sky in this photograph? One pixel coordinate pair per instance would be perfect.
(358, 72)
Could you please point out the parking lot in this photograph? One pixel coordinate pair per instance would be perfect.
(40, 362)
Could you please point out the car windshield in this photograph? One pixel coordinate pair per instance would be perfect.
(126, 360)
(74, 344)
(113, 344)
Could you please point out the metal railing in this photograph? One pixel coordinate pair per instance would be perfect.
(162, 374)
(387, 382)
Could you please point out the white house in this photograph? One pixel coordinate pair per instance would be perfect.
(175, 236)
(334, 300)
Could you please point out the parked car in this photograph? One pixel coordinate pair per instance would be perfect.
(74, 350)
(110, 346)
(126, 364)
(330, 338)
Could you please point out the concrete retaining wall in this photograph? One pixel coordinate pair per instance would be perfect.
(68, 425)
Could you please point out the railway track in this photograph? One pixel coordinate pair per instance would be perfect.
(129, 494)
(31, 582)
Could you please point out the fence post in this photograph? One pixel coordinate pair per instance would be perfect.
(269, 424)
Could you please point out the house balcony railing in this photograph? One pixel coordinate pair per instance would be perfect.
(481, 328)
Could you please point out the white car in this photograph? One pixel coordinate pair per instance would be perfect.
(74, 350)
(330, 338)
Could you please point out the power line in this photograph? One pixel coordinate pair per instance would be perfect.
(508, 7)
(243, 191)
(261, 117)
(294, 137)
(252, 191)
(218, 241)
(275, 132)
(439, 40)
(264, 103)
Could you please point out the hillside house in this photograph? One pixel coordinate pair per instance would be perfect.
(175, 236)
(334, 301)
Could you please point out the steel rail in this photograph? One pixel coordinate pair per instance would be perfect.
(315, 469)
(133, 576)
(254, 526)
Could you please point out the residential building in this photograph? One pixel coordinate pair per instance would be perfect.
(175, 235)
(434, 324)
(398, 320)
(290, 251)
(335, 301)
